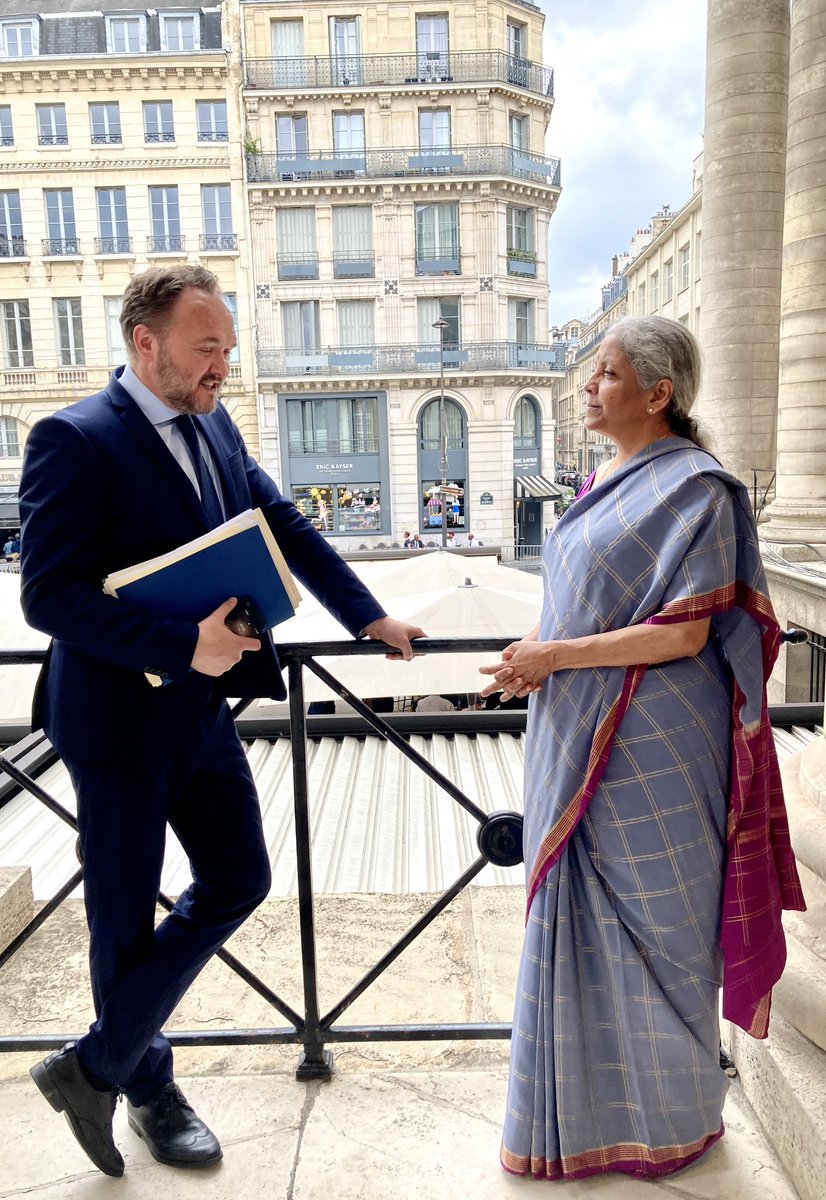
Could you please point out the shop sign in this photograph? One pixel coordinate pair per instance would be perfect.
(486, 498)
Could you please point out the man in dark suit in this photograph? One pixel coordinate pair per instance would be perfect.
(123, 468)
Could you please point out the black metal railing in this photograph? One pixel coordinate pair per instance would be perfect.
(12, 247)
(499, 841)
(377, 70)
(53, 139)
(213, 135)
(410, 359)
(159, 136)
(297, 266)
(403, 163)
(167, 244)
(107, 139)
(113, 245)
(56, 247)
(317, 445)
(219, 241)
(354, 264)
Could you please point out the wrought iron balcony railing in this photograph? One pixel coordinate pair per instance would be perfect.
(57, 247)
(400, 163)
(107, 139)
(7, 140)
(12, 247)
(354, 264)
(159, 136)
(169, 243)
(377, 70)
(298, 266)
(301, 447)
(53, 139)
(113, 245)
(213, 135)
(409, 359)
(219, 241)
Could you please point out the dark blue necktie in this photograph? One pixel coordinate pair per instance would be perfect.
(209, 496)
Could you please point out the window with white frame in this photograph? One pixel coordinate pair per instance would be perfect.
(164, 215)
(356, 323)
(301, 326)
(60, 221)
(434, 129)
(51, 125)
(158, 124)
(291, 133)
(115, 346)
(6, 126)
(641, 299)
(19, 39)
(211, 117)
(104, 120)
(69, 329)
(684, 266)
(668, 280)
(17, 334)
(521, 230)
(216, 212)
(525, 423)
(113, 226)
(432, 47)
(296, 232)
(126, 35)
(519, 132)
(353, 241)
(287, 43)
(431, 309)
(348, 132)
(11, 226)
(231, 301)
(180, 31)
(521, 321)
(345, 50)
(654, 302)
(9, 438)
(437, 238)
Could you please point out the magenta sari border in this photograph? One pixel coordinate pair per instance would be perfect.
(607, 731)
(556, 1170)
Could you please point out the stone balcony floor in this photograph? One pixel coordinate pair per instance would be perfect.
(396, 1121)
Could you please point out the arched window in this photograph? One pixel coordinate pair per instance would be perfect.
(9, 438)
(454, 427)
(526, 423)
(432, 503)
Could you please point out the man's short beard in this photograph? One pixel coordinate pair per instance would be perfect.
(173, 392)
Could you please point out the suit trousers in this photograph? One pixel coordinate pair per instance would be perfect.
(200, 783)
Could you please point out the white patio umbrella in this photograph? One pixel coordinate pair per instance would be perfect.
(448, 595)
(16, 682)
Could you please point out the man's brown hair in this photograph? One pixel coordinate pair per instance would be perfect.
(152, 294)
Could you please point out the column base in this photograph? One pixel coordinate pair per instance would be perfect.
(796, 521)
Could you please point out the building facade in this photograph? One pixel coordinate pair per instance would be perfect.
(119, 150)
(399, 198)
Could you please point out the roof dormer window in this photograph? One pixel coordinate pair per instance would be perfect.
(180, 31)
(19, 39)
(126, 35)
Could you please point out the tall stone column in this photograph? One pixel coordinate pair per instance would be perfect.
(799, 510)
(747, 60)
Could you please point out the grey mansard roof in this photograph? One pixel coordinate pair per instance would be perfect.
(33, 8)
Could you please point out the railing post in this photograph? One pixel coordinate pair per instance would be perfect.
(315, 1062)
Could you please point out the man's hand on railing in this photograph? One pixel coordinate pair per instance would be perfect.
(395, 633)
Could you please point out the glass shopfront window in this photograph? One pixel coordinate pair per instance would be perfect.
(431, 504)
(340, 507)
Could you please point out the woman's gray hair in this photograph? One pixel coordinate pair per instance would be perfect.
(658, 348)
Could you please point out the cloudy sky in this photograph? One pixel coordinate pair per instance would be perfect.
(627, 123)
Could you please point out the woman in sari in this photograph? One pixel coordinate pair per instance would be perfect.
(655, 838)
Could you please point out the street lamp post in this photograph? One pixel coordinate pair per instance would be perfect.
(441, 325)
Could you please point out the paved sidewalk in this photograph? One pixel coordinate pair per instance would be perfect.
(389, 1134)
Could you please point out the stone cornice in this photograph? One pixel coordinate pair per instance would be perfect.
(112, 164)
(379, 189)
(109, 74)
(293, 96)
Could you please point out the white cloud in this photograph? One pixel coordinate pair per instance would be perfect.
(627, 123)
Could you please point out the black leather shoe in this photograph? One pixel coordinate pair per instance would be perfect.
(173, 1132)
(89, 1111)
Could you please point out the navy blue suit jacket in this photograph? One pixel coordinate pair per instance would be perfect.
(100, 491)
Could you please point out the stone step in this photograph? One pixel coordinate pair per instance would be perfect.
(16, 903)
(800, 996)
(784, 1080)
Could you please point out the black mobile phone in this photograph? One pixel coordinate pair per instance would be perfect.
(246, 619)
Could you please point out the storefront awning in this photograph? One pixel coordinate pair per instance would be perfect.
(536, 487)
